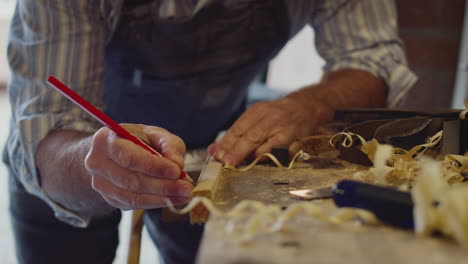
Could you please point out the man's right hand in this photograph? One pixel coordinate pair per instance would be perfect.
(92, 174)
(130, 177)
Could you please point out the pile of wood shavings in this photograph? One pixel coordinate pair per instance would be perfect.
(399, 167)
(249, 219)
(438, 191)
(439, 195)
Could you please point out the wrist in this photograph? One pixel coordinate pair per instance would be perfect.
(317, 110)
(60, 163)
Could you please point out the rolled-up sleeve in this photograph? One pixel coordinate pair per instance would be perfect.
(64, 38)
(362, 34)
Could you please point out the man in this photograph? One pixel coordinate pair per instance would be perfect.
(178, 65)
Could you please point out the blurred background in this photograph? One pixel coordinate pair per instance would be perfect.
(432, 31)
(6, 237)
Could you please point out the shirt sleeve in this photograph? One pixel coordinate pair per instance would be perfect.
(64, 38)
(362, 34)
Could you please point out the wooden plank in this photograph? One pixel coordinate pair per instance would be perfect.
(311, 240)
(206, 187)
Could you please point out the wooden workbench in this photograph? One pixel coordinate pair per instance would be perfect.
(310, 240)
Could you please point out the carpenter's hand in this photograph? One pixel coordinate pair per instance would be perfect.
(270, 124)
(130, 177)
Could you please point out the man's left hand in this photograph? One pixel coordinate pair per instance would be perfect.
(270, 124)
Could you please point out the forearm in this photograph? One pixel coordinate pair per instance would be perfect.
(350, 88)
(347, 88)
(60, 162)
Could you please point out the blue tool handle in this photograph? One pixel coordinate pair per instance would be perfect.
(388, 204)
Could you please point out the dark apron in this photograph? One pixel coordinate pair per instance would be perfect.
(190, 77)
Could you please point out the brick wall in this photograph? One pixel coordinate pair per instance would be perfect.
(431, 31)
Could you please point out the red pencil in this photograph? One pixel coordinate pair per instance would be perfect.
(103, 118)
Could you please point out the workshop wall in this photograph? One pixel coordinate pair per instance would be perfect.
(431, 31)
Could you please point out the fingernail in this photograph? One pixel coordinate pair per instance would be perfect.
(184, 189)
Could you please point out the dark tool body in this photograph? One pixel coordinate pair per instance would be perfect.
(403, 129)
(388, 204)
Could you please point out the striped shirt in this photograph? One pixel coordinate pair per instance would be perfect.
(67, 38)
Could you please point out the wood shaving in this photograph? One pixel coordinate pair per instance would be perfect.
(299, 154)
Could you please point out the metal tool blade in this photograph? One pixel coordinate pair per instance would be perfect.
(311, 194)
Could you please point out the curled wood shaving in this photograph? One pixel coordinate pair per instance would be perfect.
(348, 140)
(299, 154)
(383, 153)
(453, 166)
(425, 194)
(439, 206)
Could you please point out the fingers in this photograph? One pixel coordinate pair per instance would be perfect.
(252, 140)
(169, 145)
(127, 200)
(129, 155)
(137, 182)
(280, 139)
(133, 157)
(246, 134)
